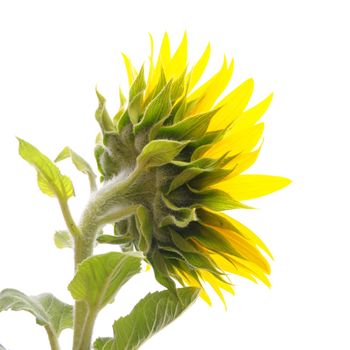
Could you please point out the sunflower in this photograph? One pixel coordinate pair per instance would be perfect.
(182, 151)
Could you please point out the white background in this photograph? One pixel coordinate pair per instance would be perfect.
(53, 53)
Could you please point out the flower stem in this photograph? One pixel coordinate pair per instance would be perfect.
(53, 339)
(107, 205)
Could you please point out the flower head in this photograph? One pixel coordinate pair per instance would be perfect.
(185, 149)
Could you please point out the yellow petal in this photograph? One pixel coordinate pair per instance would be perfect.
(253, 115)
(212, 89)
(179, 61)
(245, 248)
(199, 68)
(232, 106)
(130, 69)
(162, 62)
(253, 268)
(217, 285)
(194, 283)
(228, 265)
(243, 141)
(243, 187)
(151, 68)
(242, 162)
(246, 232)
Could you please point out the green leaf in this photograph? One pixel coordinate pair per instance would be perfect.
(149, 316)
(103, 343)
(80, 163)
(48, 310)
(100, 277)
(63, 239)
(1, 347)
(159, 152)
(158, 109)
(50, 179)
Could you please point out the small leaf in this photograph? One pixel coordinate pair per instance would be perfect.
(159, 152)
(100, 277)
(63, 239)
(48, 310)
(149, 316)
(80, 163)
(50, 179)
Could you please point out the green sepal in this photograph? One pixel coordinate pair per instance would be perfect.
(195, 260)
(187, 129)
(100, 277)
(159, 87)
(178, 86)
(145, 227)
(215, 200)
(80, 163)
(181, 242)
(102, 115)
(63, 239)
(98, 152)
(109, 239)
(179, 217)
(159, 108)
(122, 107)
(209, 177)
(161, 271)
(48, 310)
(149, 316)
(159, 152)
(210, 238)
(136, 97)
(184, 177)
(50, 179)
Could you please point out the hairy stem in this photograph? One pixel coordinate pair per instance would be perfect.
(106, 205)
(71, 225)
(53, 339)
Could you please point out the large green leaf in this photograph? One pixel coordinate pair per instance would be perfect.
(159, 152)
(102, 343)
(50, 179)
(2, 348)
(149, 316)
(100, 277)
(48, 310)
(80, 163)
